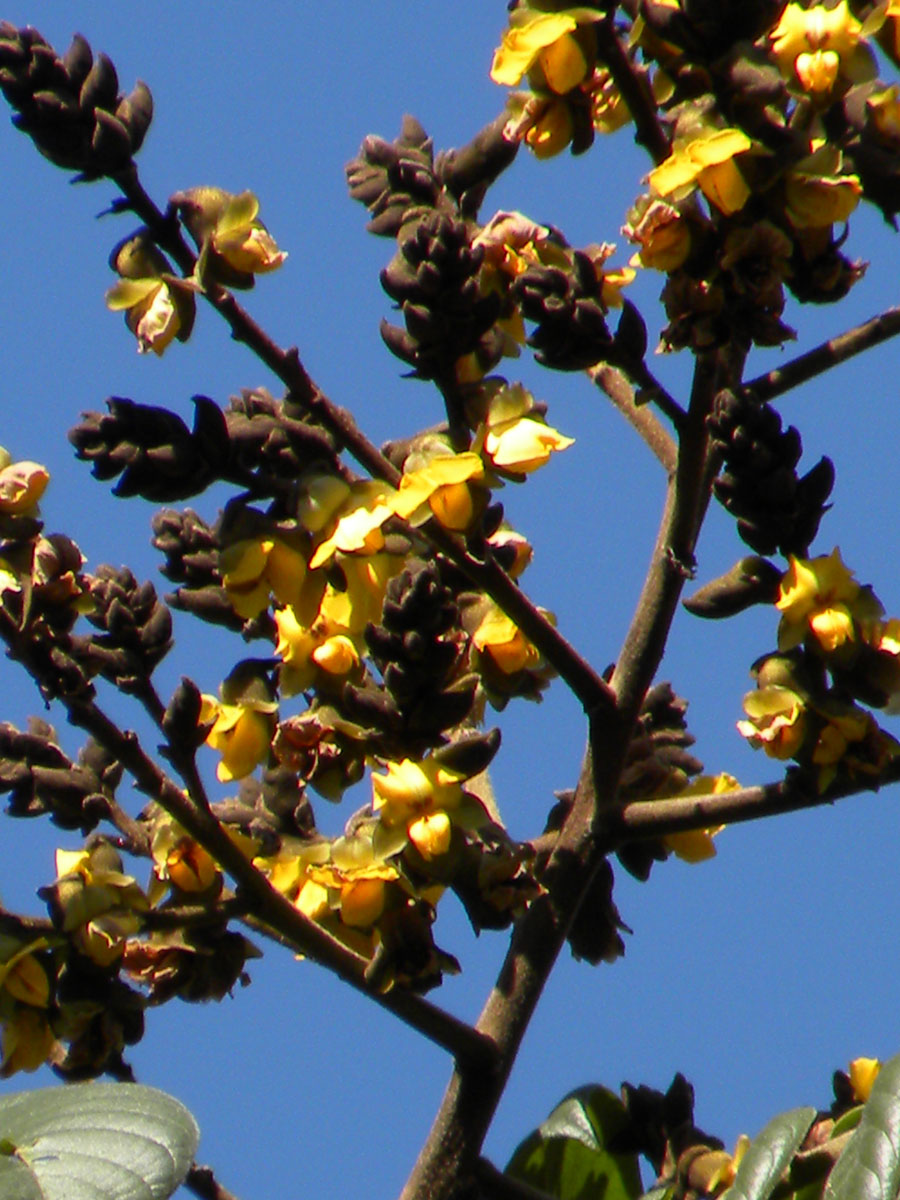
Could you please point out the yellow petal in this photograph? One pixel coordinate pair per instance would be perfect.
(521, 44)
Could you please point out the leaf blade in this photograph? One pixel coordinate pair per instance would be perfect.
(769, 1154)
(95, 1141)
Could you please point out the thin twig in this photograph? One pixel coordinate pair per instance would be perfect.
(680, 814)
(635, 91)
(643, 419)
(203, 1183)
(823, 357)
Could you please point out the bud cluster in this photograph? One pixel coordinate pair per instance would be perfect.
(42, 779)
(70, 106)
(434, 277)
(419, 649)
(136, 629)
(776, 509)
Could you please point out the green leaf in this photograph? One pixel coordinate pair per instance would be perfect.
(769, 1154)
(567, 1157)
(869, 1169)
(94, 1141)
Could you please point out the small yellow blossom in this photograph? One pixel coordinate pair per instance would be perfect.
(431, 834)
(708, 162)
(25, 978)
(411, 789)
(817, 194)
(820, 598)
(500, 638)
(814, 45)
(254, 568)
(158, 306)
(661, 232)
(21, 484)
(777, 721)
(543, 40)
(242, 240)
(863, 1073)
(324, 645)
(241, 733)
(512, 436)
(440, 489)
(884, 107)
(551, 131)
(358, 528)
(154, 311)
(27, 1041)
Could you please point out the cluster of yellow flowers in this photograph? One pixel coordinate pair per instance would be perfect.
(234, 246)
(320, 625)
(827, 618)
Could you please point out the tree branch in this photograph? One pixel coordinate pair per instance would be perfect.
(640, 417)
(635, 91)
(679, 814)
(823, 357)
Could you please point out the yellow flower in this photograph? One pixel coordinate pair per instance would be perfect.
(816, 44)
(817, 194)
(884, 108)
(708, 162)
(512, 436)
(663, 234)
(90, 884)
(863, 1073)
(431, 834)
(158, 306)
(241, 733)
(21, 484)
(156, 311)
(411, 789)
(696, 845)
(304, 650)
(777, 721)
(543, 40)
(253, 568)
(439, 489)
(234, 243)
(25, 978)
(242, 240)
(27, 1041)
(505, 643)
(358, 528)
(357, 881)
(820, 597)
(551, 131)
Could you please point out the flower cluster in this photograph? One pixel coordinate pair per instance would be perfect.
(234, 247)
(830, 626)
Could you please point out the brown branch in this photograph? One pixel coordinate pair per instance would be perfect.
(640, 417)
(672, 561)
(823, 357)
(680, 814)
(635, 91)
(203, 1183)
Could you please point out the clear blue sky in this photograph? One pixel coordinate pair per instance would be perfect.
(756, 974)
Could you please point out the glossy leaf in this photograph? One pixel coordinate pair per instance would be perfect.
(94, 1141)
(769, 1154)
(567, 1157)
(869, 1169)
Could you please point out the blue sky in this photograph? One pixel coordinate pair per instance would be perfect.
(756, 974)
